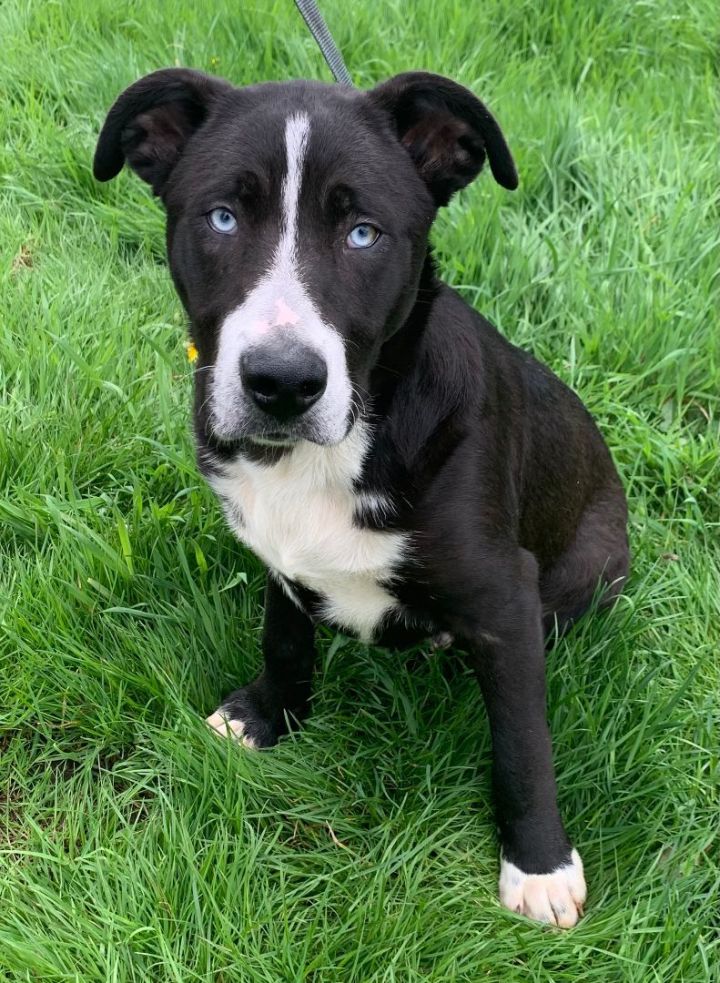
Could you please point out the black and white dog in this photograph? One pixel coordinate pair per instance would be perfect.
(401, 468)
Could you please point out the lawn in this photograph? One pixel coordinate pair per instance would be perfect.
(136, 846)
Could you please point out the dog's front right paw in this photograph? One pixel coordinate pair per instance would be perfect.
(557, 897)
(241, 717)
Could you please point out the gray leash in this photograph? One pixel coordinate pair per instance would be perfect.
(319, 30)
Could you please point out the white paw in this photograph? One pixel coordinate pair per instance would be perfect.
(557, 898)
(230, 728)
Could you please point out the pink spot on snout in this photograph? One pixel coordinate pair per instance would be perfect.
(285, 316)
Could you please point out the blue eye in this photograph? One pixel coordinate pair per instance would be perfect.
(222, 220)
(362, 236)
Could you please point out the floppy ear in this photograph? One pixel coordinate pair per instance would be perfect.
(446, 131)
(150, 123)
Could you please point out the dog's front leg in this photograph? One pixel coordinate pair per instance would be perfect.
(541, 876)
(260, 713)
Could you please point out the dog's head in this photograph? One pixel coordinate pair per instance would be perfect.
(297, 223)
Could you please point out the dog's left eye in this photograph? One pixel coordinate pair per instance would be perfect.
(222, 220)
(362, 236)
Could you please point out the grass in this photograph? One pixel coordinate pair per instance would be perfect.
(134, 846)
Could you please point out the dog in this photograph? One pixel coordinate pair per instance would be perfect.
(403, 470)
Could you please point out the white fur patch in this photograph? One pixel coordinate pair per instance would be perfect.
(371, 503)
(297, 515)
(230, 728)
(557, 898)
(280, 306)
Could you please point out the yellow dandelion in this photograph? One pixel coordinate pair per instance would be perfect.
(192, 352)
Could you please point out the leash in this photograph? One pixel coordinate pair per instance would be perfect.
(319, 30)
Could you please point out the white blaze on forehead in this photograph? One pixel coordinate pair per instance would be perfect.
(280, 304)
(297, 130)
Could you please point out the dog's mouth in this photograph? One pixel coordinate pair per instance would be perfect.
(253, 433)
(274, 439)
(279, 440)
(226, 446)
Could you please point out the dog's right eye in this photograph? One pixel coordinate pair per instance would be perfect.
(222, 220)
(363, 236)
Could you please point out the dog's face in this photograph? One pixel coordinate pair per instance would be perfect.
(297, 223)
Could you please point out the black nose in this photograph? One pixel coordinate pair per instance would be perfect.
(283, 382)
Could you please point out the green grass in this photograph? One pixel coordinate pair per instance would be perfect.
(134, 846)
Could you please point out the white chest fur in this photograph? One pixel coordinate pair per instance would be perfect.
(297, 515)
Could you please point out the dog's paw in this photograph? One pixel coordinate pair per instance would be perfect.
(227, 727)
(443, 640)
(557, 897)
(239, 717)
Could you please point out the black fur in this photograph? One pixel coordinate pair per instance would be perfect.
(515, 512)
